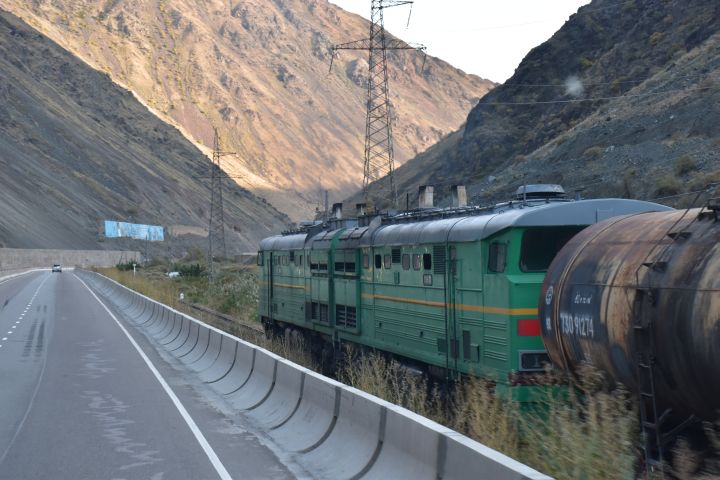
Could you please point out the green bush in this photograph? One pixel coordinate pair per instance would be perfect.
(685, 165)
(189, 269)
(124, 267)
(593, 152)
(667, 185)
(585, 63)
(656, 38)
(704, 180)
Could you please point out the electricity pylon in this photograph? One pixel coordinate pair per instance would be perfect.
(379, 157)
(216, 229)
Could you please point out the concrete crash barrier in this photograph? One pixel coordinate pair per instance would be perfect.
(332, 430)
(239, 375)
(170, 320)
(285, 397)
(19, 259)
(190, 343)
(201, 346)
(212, 352)
(157, 324)
(181, 326)
(313, 420)
(260, 384)
(223, 363)
(360, 423)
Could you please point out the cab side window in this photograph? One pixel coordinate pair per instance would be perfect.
(497, 258)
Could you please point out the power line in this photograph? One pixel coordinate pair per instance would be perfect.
(581, 10)
(594, 99)
(593, 84)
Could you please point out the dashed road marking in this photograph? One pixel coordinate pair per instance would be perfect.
(32, 299)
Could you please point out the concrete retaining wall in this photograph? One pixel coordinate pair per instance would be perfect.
(333, 430)
(14, 260)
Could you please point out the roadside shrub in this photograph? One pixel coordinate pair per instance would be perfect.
(593, 152)
(585, 63)
(189, 270)
(667, 185)
(685, 165)
(656, 38)
(194, 254)
(484, 416)
(581, 430)
(124, 267)
(702, 181)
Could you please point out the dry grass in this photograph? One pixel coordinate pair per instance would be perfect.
(391, 381)
(581, 429)
(491, 420)
(570, 435)
(689, 464)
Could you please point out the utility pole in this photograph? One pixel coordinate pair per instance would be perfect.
(379, 157)
(216, 229)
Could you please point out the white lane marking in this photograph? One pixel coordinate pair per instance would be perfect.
(32, 299)
(212, 456)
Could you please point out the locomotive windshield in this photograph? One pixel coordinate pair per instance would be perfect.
(541, 244)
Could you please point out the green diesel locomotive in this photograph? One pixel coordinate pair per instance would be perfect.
(452, 290)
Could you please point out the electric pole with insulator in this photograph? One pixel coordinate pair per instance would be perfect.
(379, 159)
(216, 229)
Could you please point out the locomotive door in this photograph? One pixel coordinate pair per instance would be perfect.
(466, 309)
(270, 270)
(451, 271)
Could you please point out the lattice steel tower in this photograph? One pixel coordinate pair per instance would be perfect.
(216, 229)
(379, 158)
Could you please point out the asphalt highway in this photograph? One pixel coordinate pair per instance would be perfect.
(85, 396)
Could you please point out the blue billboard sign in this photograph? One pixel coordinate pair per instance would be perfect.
(151, 233)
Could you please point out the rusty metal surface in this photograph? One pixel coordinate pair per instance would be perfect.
(628, 271)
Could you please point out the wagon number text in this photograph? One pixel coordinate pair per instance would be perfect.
(579, 325)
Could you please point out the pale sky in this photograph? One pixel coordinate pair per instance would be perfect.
(486, 37)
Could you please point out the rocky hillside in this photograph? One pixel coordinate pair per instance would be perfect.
(75, 149)
(258, 69)
(623, 100)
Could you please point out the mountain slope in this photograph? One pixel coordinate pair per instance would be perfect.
(622, 100)
(258, 70)
(75, 149)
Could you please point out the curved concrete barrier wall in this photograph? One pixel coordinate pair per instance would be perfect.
(14, 260)
(335, 431)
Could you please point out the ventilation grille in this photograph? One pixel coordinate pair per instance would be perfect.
(396, 254)
(439, 259)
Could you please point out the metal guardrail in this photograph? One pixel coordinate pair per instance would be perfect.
(333, 430)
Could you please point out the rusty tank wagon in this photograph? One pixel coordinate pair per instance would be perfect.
(638, 297)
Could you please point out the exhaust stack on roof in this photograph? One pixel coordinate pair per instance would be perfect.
(459, 196)
(337, 211)
(425, 196)
(360, 209)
